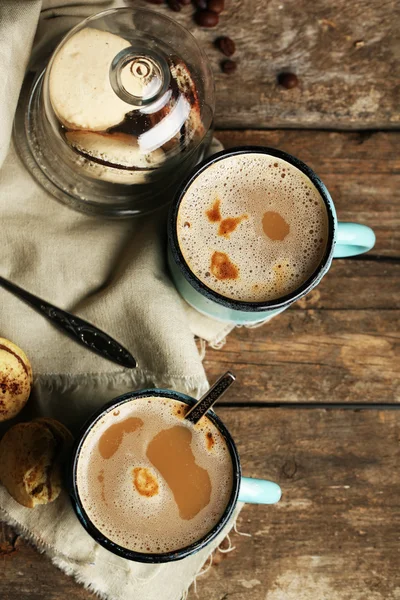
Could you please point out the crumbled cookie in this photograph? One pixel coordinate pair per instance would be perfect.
(31, 456)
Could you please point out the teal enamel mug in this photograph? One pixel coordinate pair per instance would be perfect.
(80, 478)
(342, 240)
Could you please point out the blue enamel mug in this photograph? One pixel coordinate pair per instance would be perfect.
(244, 489)
(344, 239)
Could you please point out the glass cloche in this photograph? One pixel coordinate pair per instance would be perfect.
(119, 115)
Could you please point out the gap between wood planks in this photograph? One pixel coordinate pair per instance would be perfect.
(380, 258)
(355, 406)
(364, 134)
(373, 258)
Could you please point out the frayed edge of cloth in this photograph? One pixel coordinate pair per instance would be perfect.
(39, 544)
(61, 564)
(43, 547)
(208, 562)
(67, 565)
(55, 382)
(218, 345)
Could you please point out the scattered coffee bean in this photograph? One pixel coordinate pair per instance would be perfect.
(174, 5)
(228, 66)
(225, 45)
(288, 80)
(201, 4)
(206, 18)
(185, 2)
(216, 6)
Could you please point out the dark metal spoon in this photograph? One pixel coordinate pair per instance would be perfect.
(79, 330)
(214, 393)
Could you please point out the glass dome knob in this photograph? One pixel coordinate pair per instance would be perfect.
(139, 76)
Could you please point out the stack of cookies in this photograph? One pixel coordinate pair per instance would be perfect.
(31, 454)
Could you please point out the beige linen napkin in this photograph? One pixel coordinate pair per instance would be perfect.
(112, 273)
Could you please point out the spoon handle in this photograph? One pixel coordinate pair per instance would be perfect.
(78, 329)
(214, 393)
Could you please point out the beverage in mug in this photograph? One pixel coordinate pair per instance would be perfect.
(252, 227)
(152, 481)
(252, 230)
(150, 486)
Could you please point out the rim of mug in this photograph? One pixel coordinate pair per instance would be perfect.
(100, 537)
(249, 306)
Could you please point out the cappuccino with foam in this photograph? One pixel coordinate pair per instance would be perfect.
(252, 227)
(149, 480)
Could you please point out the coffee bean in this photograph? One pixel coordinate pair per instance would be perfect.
(216, 6)
(225, 45)
(174, 5)
(185, 2)
(206, 18)
(200, 4)
(288, 80)
(156, 1)
(228, 66)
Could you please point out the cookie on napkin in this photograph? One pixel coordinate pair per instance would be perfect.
(30, 461)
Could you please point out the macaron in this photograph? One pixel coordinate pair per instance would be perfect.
(15, 379)
(79, 85)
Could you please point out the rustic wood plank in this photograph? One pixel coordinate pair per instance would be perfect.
(313, 355)
(27, 575)
(361, 171)
(339, 343)
(334, 534)
(356, 285)
(344, 53)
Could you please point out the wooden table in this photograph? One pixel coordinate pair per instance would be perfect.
(316, 403)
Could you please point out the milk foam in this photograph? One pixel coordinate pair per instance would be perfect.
(248, 186)
(140, 523)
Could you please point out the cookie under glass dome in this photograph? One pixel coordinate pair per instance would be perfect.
(120, 114)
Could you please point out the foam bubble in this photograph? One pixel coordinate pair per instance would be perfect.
(258, 188)
(150, 523)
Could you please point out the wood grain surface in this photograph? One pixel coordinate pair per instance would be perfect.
(333, 536)
(335, 533)
(345, 54)
(360, 170)
(341, 342)
(313, 356)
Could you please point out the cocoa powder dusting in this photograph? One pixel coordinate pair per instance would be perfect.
(228, 225)
(210, 440)
(180, 411)
(222, 267)
(214, 213)
(14, 388)
(19, 359)
(145, 482)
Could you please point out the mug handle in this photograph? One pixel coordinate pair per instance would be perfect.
(352, 239)
(259, 491)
